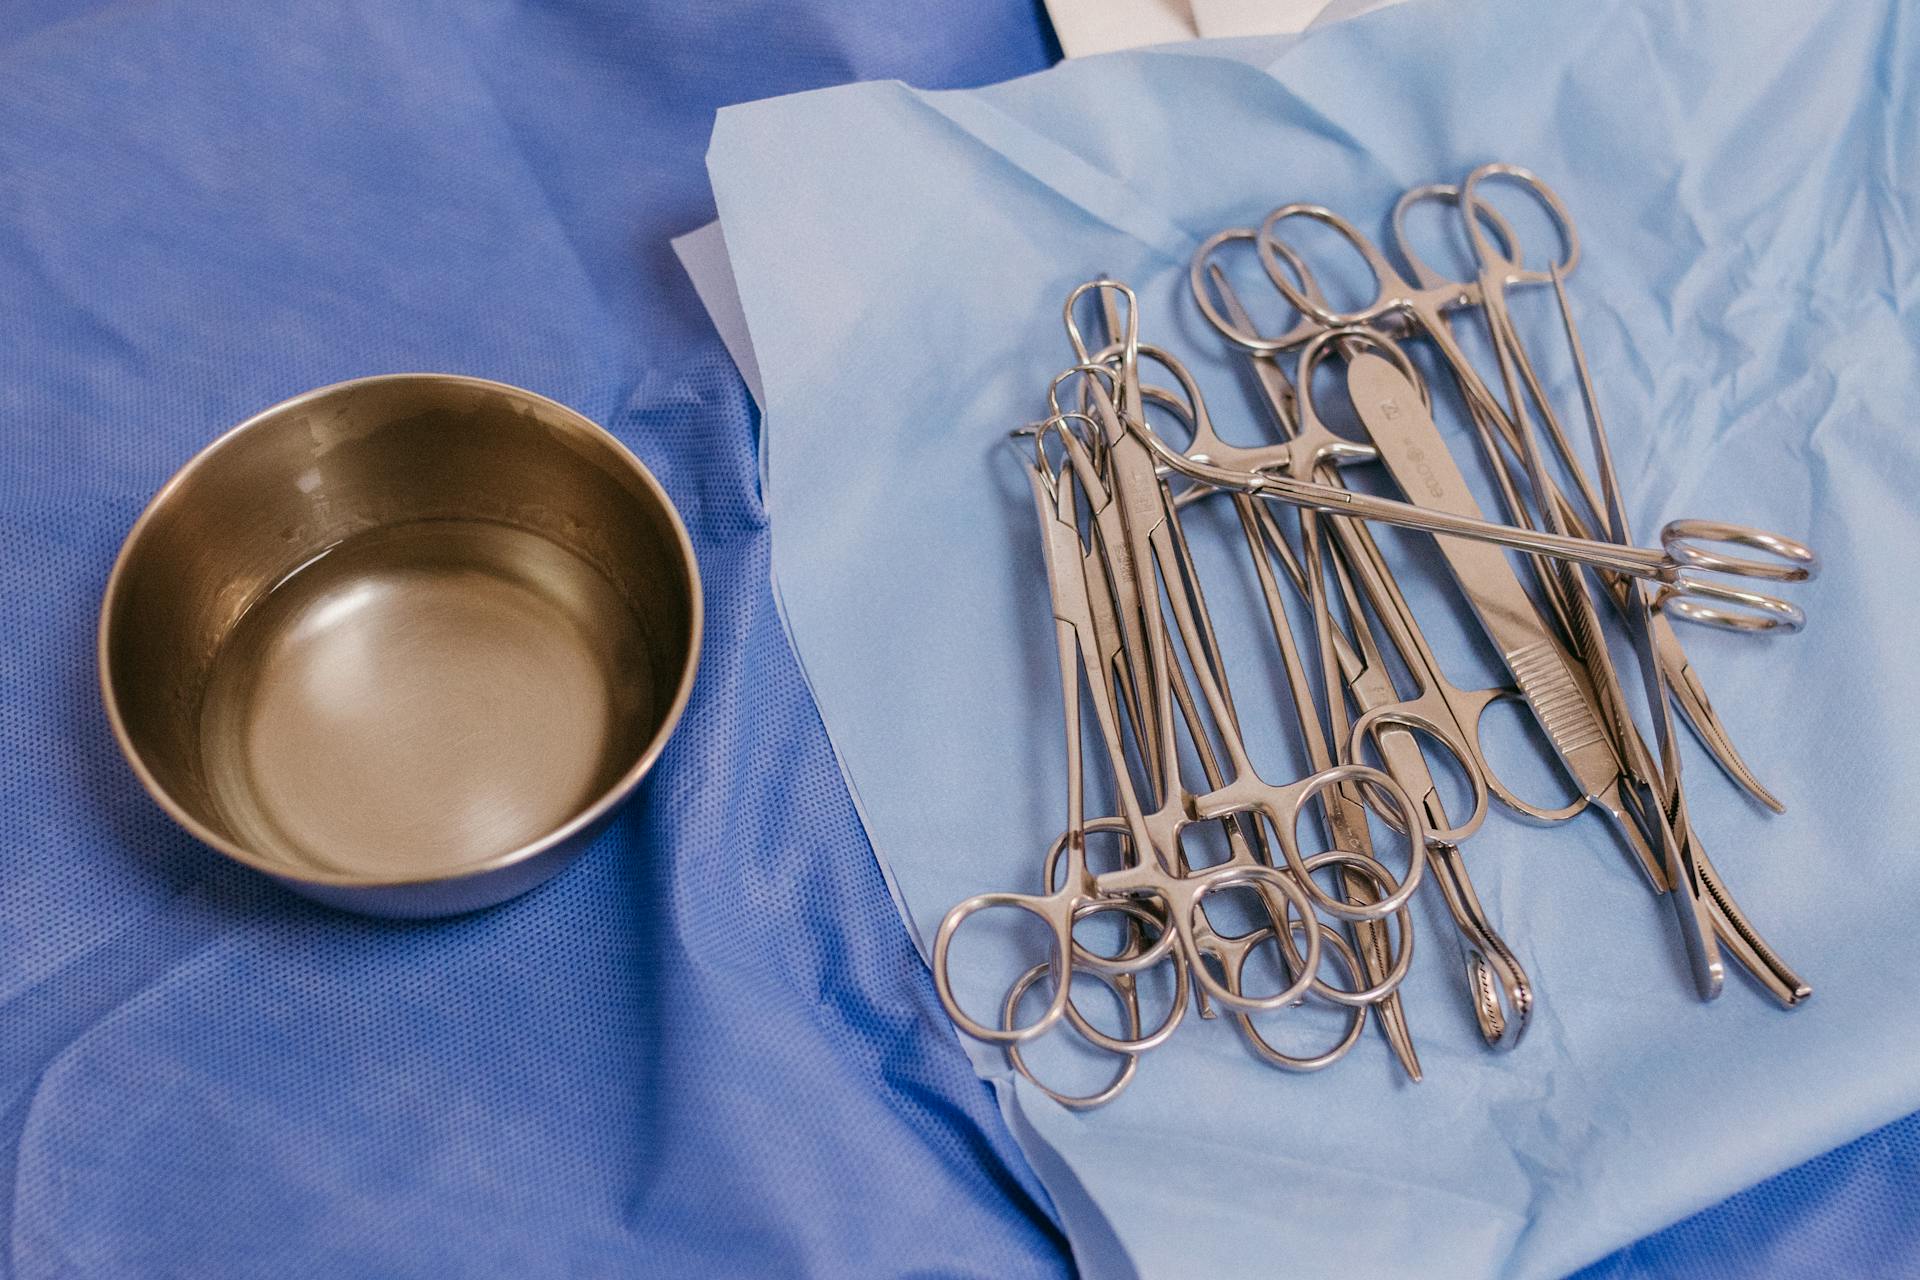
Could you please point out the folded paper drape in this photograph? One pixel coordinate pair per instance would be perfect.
(1742, 190)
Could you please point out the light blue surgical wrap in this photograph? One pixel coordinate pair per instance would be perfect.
(1746, 184)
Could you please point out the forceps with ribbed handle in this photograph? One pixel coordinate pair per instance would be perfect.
(1683, 683)
(1707, 912)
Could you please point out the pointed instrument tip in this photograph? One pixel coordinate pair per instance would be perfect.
(1401, 1041)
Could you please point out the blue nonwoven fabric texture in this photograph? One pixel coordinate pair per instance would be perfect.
(707, 1049)
(1853, 1212)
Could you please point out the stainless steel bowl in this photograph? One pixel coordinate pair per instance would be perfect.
(403, 644)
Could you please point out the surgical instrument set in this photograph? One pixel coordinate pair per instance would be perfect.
(1128, 449)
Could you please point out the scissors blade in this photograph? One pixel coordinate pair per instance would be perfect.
(1690, 697)
(1682, 684)
(1707, 912)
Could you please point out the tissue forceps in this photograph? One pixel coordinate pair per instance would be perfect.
(1682, 683)
(1556, 690)
(1554, 684)
(1439, 703)
(1502, 992)
(1688, 545)
(1707, 912)
(1548, 678)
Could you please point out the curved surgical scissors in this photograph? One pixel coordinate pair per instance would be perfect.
(1688, 694)
(1688, 546)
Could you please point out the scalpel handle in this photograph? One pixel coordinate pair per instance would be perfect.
(1553, 685)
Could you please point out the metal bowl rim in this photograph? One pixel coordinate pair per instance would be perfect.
(599, 808)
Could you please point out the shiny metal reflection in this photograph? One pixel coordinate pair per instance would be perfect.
(403, 643)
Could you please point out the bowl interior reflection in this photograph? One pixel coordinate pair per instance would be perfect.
(400, 628)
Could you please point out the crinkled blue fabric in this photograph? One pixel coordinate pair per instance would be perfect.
(1750, 296)
(708, 1048)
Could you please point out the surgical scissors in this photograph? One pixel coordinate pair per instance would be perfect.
(1686, 545)
(1707, 912)
(1683, 684)
(1730, 925)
